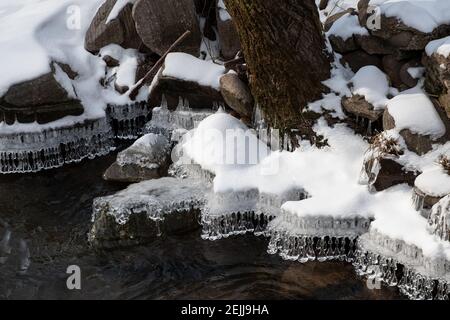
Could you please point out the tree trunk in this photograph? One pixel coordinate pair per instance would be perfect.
(284, 48)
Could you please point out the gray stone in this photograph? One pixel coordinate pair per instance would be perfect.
(119, 31)
(358, 106)
(228, 37)
(148, 158)
(237, 94)
(160, 22)
(145, 211)
(42, 99)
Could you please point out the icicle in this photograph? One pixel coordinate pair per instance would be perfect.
(439, 220)
(52, 148)
(128, 120)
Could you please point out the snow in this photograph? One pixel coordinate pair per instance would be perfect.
(422, 15)
(189, 68)
(413, 110)
(346, 26)
(223, 12)
(221, 141)
(434, 182)
(54, 30)
(439, 46)
(373, 84)
(330, 102)
(120, 4)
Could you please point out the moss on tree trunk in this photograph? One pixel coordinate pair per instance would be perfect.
(284, 49)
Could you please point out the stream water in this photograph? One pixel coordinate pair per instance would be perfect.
(44, 219)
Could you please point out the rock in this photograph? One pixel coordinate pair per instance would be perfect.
(323, 4)
(121, 31)
(199, 96)
(228, 35)
(408, 80)
(237, 94)
(159, 23)
(145, 211)
(148, 158)
(392, 67)
(110, 61)
(380, 168)
(343, 46)
(374, 45)
(359, 106)
(358, 59)
(437, 81)
(42, 99)
(415, 142)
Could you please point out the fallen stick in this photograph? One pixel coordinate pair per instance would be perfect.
(135, 91)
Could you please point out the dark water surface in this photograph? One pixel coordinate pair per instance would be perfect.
(46, 217)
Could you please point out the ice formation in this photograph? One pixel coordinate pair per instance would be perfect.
(440, 218)
(54, 147)
(128, 121)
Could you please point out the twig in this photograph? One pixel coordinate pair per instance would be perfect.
(135, 91)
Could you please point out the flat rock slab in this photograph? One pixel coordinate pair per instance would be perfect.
(144, 211)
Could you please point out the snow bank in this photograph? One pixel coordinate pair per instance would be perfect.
(413, 110)
(373, 84)
(189, 68)
(440, 46)
(346, 26)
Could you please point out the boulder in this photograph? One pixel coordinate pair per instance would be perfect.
(392, 67)
(437, 80)
(160, 22)
(358, 59)
(323, 4)
(343, 46)
(228, 35)
(415, 142)
(237, 94)
(391, 173)
(145, 211)
(407, 79)
(121, 31)
(374, 45)
(148, 158)
(358, 106)
(42, 99)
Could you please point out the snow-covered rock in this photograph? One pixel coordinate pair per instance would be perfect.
(191, 78)
(370, 89)
(145, 211)
(148, 158)
(413, 114)
(112, 24)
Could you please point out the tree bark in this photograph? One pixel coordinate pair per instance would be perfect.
(284, 48)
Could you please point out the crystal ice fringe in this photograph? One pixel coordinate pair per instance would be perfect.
(315, 238)
(238, 212)
(183, 118)
(127, 121)
(309, 248)
(397, 263)
(439, 220)
(54, 147)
